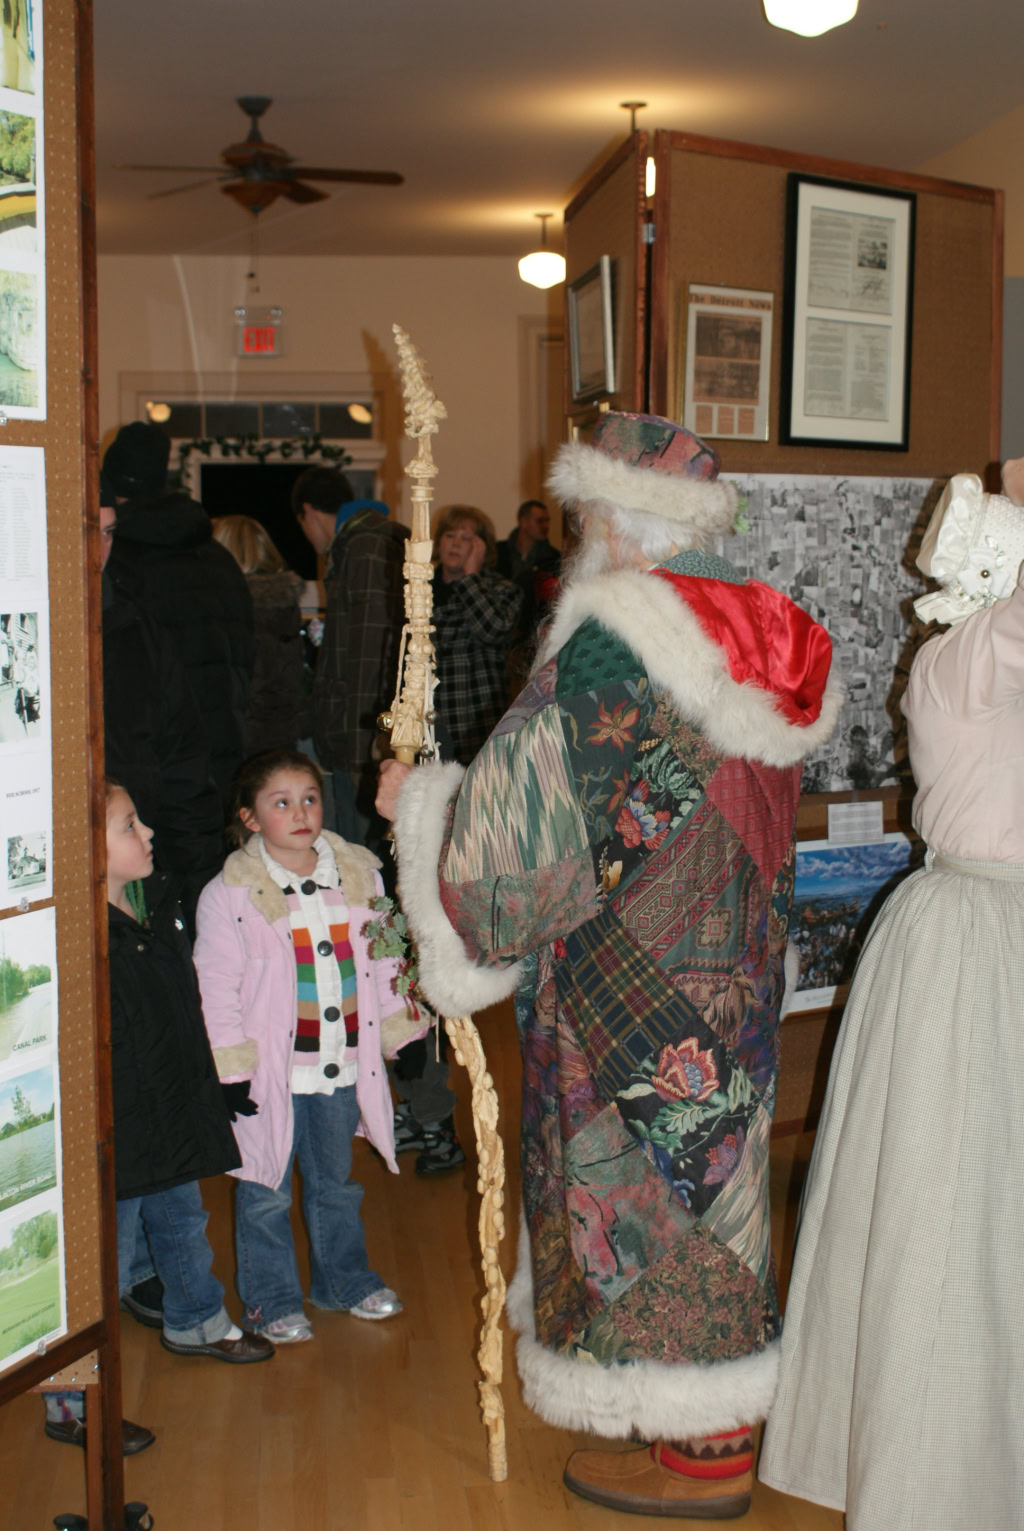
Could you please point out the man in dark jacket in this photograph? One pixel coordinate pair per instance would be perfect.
(356, 667)
(166, 561)
(154, 739)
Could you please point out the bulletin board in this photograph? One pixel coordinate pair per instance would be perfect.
(57, 45)
(720, 215)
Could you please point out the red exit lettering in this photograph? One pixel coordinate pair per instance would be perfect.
(259, 340)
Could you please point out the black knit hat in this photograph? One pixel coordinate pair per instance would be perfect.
(136, 461)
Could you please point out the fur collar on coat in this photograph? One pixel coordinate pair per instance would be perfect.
(244, 869)
(741, 720)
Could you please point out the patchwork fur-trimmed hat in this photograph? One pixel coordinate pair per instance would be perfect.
(645, 464)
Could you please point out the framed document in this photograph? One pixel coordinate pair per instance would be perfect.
(591, 332)
(727, 367)
(849, 290)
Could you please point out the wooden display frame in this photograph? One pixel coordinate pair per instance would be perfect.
(69, 437)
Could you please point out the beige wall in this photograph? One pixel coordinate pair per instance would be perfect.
(993, 158)
(469, 316)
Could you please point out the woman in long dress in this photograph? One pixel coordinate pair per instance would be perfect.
(901, 1393)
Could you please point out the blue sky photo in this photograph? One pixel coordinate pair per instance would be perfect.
(844, 871)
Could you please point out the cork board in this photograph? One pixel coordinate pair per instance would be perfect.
(75, 665)
(606, 219)
(720, 212)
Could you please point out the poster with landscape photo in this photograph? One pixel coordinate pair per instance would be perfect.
(31, 1284)
(28, 1142)
(839, 890)
(28, 987)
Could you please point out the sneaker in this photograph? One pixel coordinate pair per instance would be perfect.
(292, 1329)
(383, 1303)
(442, 1150)
(409, 1134)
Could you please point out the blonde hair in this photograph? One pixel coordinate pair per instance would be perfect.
(249, 544)
(451, 516)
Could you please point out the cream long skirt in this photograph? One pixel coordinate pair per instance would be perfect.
(901, 1390)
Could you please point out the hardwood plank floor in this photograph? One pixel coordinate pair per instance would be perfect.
(372, 1427)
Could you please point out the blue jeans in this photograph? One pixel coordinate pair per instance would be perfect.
(268, 1276)
(175, 1226)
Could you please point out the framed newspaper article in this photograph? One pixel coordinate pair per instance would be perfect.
(846, 338)
(727, 364)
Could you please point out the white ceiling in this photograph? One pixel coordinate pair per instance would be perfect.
(493, 112)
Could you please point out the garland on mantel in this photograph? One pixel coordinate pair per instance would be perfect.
(262, 447)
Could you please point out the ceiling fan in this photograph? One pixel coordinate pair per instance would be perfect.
(259, 172)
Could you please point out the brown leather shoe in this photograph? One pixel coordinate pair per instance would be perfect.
(71, 1432)
(636, 1481)
(248, 1347)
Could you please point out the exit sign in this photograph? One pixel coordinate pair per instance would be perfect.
(258, 332)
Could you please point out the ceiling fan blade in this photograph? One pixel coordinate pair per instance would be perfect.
(296, 192)
(181, 169)
(368, 177)
(174, 190)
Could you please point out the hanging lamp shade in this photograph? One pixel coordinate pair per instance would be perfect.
(809, 18)
(543, 267)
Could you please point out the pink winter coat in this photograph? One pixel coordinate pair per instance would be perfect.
(246, 967)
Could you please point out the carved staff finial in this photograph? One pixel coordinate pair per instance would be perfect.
(412, 737)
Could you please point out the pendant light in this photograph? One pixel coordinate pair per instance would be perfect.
(544, 267)
(809, 18)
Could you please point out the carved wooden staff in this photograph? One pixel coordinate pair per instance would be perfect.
(412, 734)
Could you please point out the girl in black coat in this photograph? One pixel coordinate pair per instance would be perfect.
(171, 1124)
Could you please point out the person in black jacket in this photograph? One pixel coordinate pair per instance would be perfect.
(172, 1123)
(165, 560)
(154, 738)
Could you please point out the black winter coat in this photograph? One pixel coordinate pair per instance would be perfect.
(170, 1121)
(156, 745)
(278, 715)
(165, 559)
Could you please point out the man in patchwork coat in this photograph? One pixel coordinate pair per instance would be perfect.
(620, 856)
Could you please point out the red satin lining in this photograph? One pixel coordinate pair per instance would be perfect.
(768, 640)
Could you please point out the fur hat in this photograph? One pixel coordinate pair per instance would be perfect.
(646, 464)
(136, 460)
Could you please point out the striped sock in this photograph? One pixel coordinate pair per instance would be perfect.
(708, 1456)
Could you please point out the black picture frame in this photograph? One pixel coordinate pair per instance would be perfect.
(848, 310)
(591, 311)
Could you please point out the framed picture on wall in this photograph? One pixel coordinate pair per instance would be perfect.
(727, 366)
(849, 292)
(592, 332)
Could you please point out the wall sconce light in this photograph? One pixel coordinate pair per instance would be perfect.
(809, 18)
(158, 412)
(544, 267)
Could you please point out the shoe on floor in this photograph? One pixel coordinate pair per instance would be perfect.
(408, 1132)
(383, 1303)
(637, 1482)
(240, 1352)
(442, 1150)
(71, 1432)
(145, 1302)
(292, 1329)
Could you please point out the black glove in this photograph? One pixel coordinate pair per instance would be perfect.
(236, 1098)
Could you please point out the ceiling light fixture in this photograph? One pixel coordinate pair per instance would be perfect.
(543, 267)
(809, 18)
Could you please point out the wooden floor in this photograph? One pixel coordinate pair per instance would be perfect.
(372, 1426)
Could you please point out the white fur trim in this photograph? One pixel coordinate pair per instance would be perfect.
(452, 982)
(647, 614)
(646, 1398)
(700, 507)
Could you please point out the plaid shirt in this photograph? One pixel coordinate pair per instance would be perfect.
(356, 666)
(476, 619)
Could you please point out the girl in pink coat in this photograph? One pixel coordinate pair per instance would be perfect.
(295, 1007)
